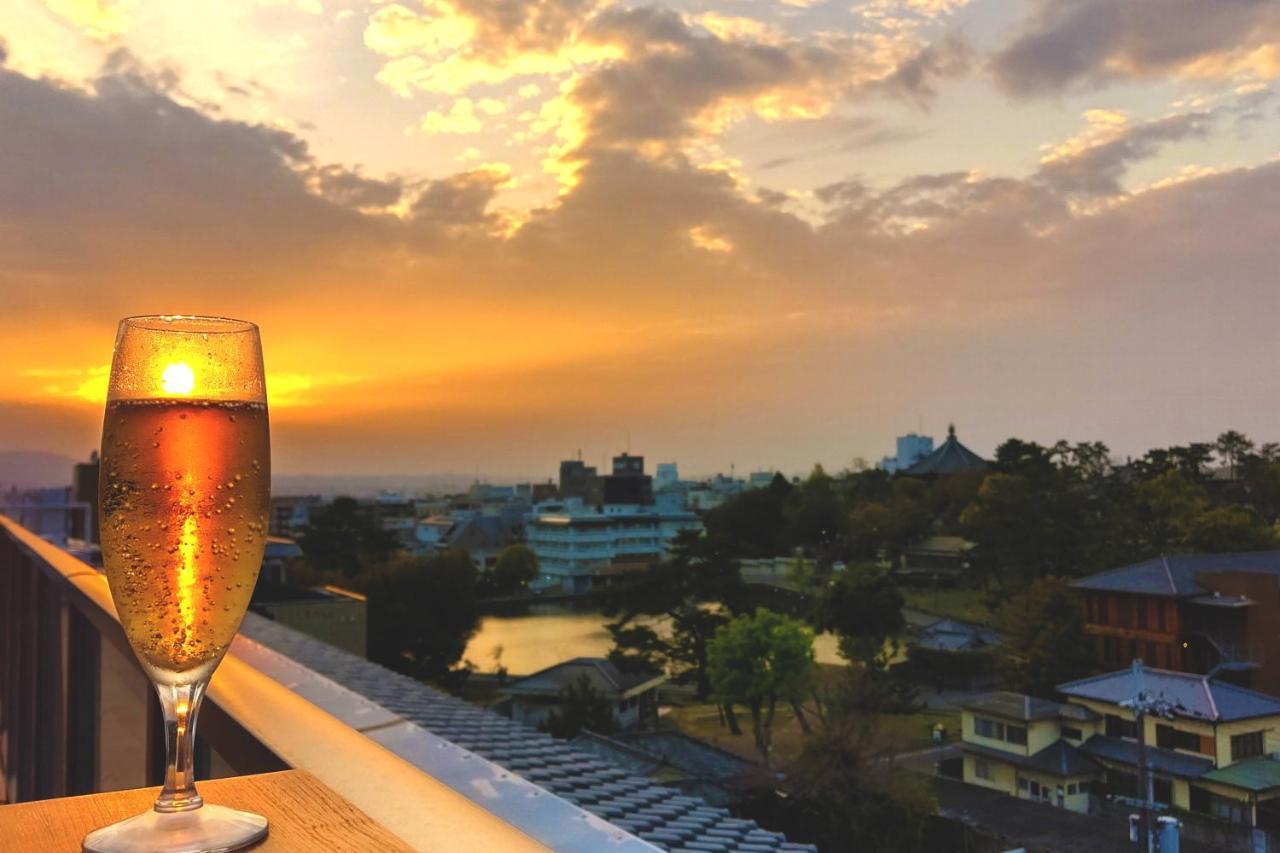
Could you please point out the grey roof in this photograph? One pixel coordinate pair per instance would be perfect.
(659, 815)
(606, 678)
(953, 635)
(1058, 758)
(478, 533)
(1198, 696)
(693, 756)
(951, 457)
(1175, 575)
(1013, 706)
(1161, 760)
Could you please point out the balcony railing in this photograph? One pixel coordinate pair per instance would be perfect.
(77, 715)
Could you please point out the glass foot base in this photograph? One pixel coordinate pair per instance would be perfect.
(208, 829)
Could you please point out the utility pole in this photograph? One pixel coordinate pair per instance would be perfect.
(1144, 704)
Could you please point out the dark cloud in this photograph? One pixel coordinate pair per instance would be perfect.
(123, 181)
(1086, 42)
(917, 78)
(1097, 169)
(674, 73)
(349, 188)
(461, 199)
(504, 27)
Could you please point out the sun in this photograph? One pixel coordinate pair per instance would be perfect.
(178, 379)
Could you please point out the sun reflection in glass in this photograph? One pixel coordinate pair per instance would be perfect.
(178, 379)
(188, 544)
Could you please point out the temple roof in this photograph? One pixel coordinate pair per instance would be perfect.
(951, 457)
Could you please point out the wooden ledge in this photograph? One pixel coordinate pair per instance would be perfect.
(303, 815)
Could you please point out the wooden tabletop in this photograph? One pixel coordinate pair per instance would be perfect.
(303, 815)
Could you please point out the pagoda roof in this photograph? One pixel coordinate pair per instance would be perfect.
(951, 457)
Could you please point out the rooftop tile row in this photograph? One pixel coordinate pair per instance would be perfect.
(662, 816)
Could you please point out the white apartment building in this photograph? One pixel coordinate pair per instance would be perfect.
(574, 545)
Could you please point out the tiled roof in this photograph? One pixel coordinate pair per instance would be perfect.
(604, 676)
(1013, 706)
(1175, 575)
(953, 635)
(1058, 758)
(658, 815)
(1162, 760)
(951, 458)
(1255, 774)
(1195, 696)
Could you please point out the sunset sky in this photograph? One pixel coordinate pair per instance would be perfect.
(479, 235)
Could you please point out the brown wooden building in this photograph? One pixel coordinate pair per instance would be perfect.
(1193, 613)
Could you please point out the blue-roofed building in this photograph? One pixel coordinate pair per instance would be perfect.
(1196, 613)
(1214, 757)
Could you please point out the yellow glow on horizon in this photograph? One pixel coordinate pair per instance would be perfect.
(178, 379)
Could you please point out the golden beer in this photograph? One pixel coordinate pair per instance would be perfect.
(184, 504)
(183, 498)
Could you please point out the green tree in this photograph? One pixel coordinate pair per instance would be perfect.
(1228, 528)
(1233, 447)
(751, 524)
(844, 786)
(581, 707)
(515, 568)
(887, 527)
(696, 589)
(342, 539)
(422, 612)
(758, 660)
(864, 607)
(1165, 507)
(813, 512)
(1045, 643)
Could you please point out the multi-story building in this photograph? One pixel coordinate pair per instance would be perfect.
(628, 485)
(579, 480)
(910, 448)
(291, 513)
(1190, 612)
(576, 546)
(667, 476)
(1214, 756)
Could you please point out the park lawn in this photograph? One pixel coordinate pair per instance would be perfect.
(899, 732)
(958, 603)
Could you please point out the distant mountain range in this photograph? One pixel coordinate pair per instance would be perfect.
(366, 486)
(34, 469)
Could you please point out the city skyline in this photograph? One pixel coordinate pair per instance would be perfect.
(478, 236)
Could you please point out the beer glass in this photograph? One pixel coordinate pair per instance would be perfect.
(183, 505)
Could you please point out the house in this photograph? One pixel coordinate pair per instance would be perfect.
(1196, 613)
(955, 653)
(1212, 757)
(933, 561)
(633, 695)
(950, 459)
(482, 536)
(1029, 748)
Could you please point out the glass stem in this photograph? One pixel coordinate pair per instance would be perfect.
(179, 704)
